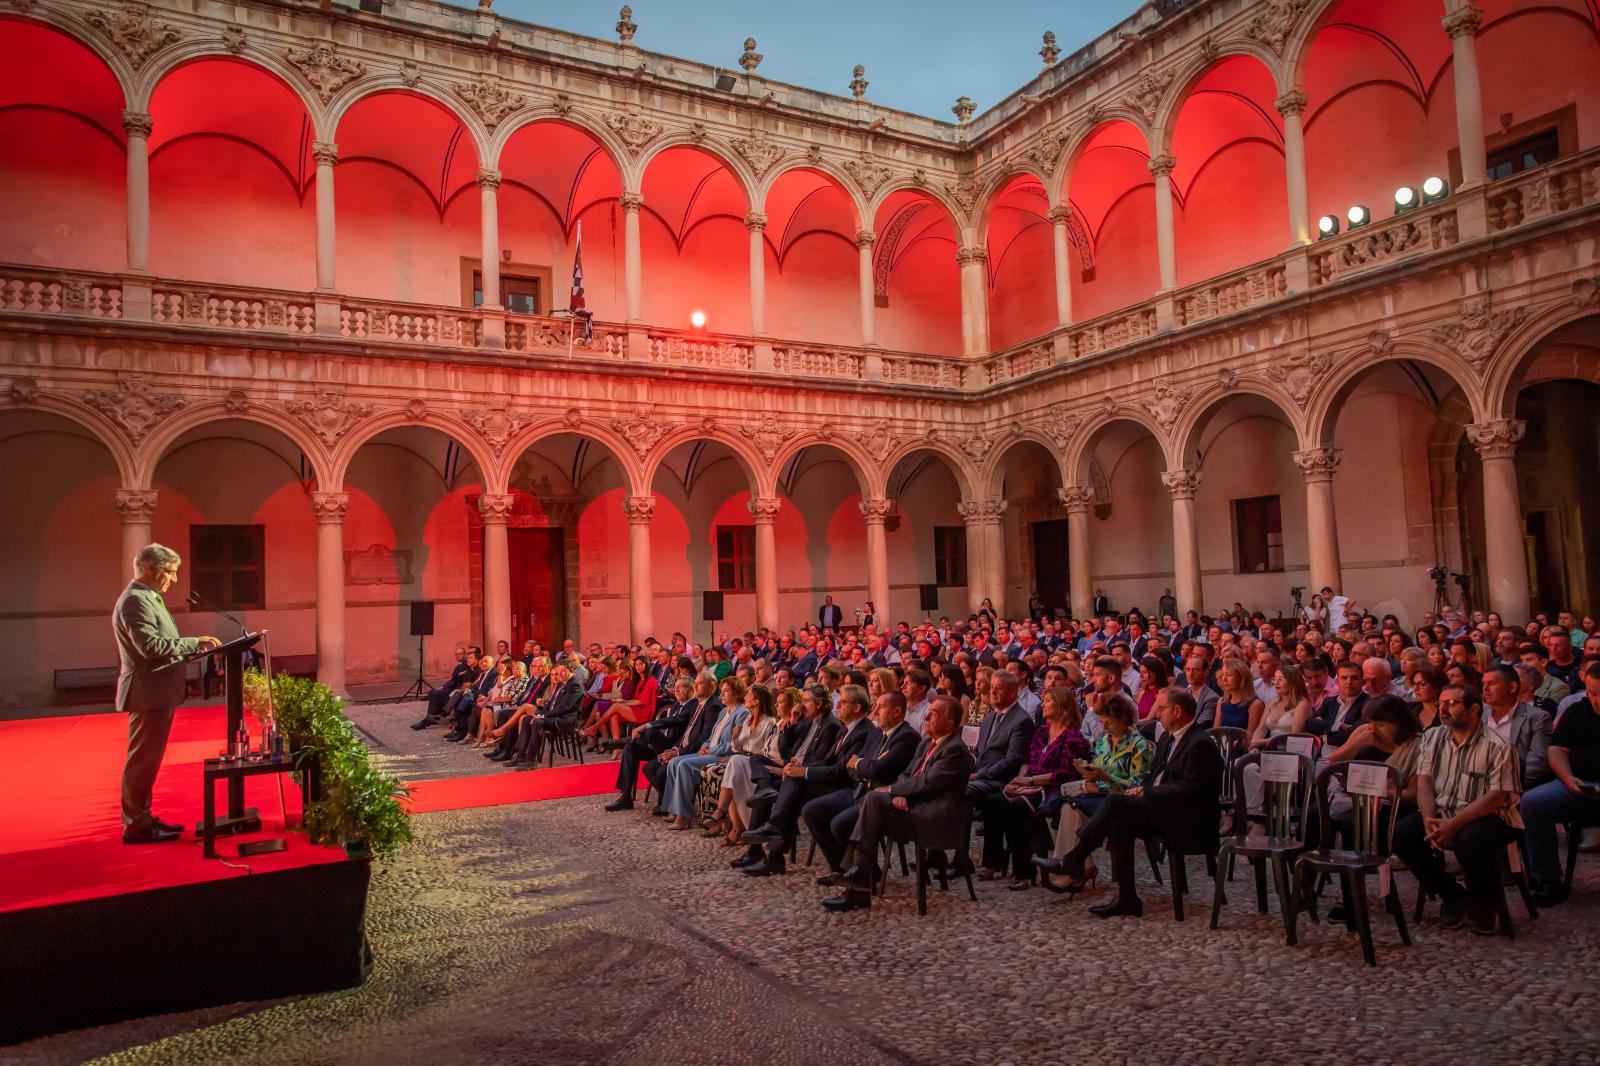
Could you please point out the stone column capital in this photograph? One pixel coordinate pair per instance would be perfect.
(1292, 102)
(978, 254)
(326, 153)
(875, 510)
(1182, 484)
(755, 222)
(1060, 214)
(1497, 438)
(981, 512)
(764, 509)
(496, 507)
(1162, 165)
(1318, 464)
(1463, 21)
(488, 179)
(137, 124)
(866, 239)
(329, 507)
(639, 509)
(631, 202)
(1075, 498)
(136, 505)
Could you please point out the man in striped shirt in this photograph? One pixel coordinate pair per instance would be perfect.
(1467, 790)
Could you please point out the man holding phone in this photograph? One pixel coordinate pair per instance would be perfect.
(1574, 795)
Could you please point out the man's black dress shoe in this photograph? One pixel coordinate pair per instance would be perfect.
(764, 795)
(1119, 906)
(761, 834)
(831, 879)
(851, 899)
(150, 834)
(527, 766)
(767, 866)
(423, 724)
(453, 736)
(162, 823)
(621, 803)
(658, 811)
(752, 855)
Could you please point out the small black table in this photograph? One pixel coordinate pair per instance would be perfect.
(232, 770)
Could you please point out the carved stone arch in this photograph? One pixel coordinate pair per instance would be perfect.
(1191, 68)
(678, 138)
(1186, 431)
(1076, 458)
(392, 81)
(1503, 372)
(1105, 115)
(1330, 392)
(895, 184)
(992, 189)
(1302, 34)
(755, 467)
(622, 453)
(824, 165)
(870, 477)
(544, 111)
(966, 475)
(75, 29)
(265, 58)
(991, 472)
(104, 431)
(448, 424)
(204, 411)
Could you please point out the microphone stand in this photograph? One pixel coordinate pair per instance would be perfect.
(194, 599)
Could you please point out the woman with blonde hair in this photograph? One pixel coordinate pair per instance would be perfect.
(756, 738)
(1239, 707)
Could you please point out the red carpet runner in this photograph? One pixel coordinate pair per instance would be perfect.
(494, 790)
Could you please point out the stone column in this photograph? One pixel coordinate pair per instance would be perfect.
(869, 304)
(875, 511)
(994, 554)
(1166, 243)
(492, 316)
(326, 154)
(1322, 528)
(974, 300)
(1462, 26)
(496, 508)
(329, 507)
(1291, 105)
(756, 223)
(764, 509)
(137, 124)
(641, 599)
(1060, 216)
(972, 516)
(138, 510)
(1507, 583)
(1076, 499)
(1183, 484)
(633, 271)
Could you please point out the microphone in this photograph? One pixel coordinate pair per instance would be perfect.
(197, 600)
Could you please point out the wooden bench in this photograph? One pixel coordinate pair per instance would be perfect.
(98, 684)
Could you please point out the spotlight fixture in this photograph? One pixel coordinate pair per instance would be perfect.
(1406, 198)
(1358, 216)
(1327, 226)
(697, 319)
(725, 81)
(1435, 189)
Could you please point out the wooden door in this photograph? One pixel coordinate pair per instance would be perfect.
(1050, 578)
(538, 587)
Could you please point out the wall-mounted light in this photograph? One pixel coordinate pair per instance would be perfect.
(1406, 198)
(1358, 216)
(1435, 189)
(1327, 226)
(697, 319)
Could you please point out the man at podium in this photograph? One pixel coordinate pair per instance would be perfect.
(150, 685)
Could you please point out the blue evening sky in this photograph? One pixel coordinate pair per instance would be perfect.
(919, 56)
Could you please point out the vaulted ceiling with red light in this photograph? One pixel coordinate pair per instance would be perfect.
(685, 187)
(1111, 164)
(907, 224)
(805, 203)
(242, 102)
(416, 136)
(49, 70)
(1022, 205)
(563, 166)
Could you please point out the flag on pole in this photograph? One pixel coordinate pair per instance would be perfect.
(575, 302)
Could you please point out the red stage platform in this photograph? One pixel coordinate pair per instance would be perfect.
(61, 837)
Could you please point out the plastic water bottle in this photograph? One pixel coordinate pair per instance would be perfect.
(272, 743)
(241, 742)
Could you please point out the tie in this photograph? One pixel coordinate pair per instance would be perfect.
(927, 757)
(837, 748)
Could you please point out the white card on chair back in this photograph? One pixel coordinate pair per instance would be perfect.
(1366, 779)
(1306, 746)
(969, 735)
(1280, 766)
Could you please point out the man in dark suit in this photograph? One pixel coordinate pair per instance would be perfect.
(560, 712)
(928, 800)
(817, 767)
(831, 616)
(1337, 716)
(1180, 803)
(1003, 738)
(150, 685)
(466, 667)
(885, 752)
(1101, 605)
(463, 706)
(685, 728)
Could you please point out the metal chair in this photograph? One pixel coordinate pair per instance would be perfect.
(922, 848)
(1285, 807)
(1371, 831)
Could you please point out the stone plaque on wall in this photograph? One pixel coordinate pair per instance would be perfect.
(377, 565)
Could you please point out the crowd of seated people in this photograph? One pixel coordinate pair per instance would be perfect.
(1061, 737)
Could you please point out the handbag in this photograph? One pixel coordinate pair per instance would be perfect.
(709, 789)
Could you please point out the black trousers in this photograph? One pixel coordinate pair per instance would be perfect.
(534, 733)
(878, 818)
(1477, 848)
(830, 819)
(147, 743)
(793, 794)
(1008, 832)
(1119, 823)
(641, 749)
(437, 698)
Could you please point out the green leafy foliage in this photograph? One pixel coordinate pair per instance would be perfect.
(358, 805)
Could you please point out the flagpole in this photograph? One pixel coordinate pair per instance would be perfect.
(571, 317)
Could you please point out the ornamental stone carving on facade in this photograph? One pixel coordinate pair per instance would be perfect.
(134, 33)
(764, 509)
(329, 508)
(1318, 464)
(868, 173)
(642, 430)
(639, 509)
(1051, 51)
(963, 110)
(329, 414)
(496, 423)
(1075, 497)
(325, 69)
(1271, 26)
(1497, 438)
(876, 509)
(137, 505)
(1478, 331)
(489, 99)
(635, 130)
(1062, 424)
(877, 442)
(977, 445)
(1463, 21)
(1148, 91)
(964, 192)
(234, 40)
(134, 405)
(1166, 404)
(858, 81)
(1299, 374)
(1182, 484)
(236, 402)
(1046, 148)
(767, 434)
(497, 507)
(626, 27)
(758, 150)
(1586, 292)
(137, 124)
(410, 74)
(750, 59)
(23, 391)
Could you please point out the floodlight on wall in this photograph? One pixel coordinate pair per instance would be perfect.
(1406, 198)
(726, 81)
(374, 7)
(1358, 216)
(1435, 189)
(1327, 226)
(697, 319)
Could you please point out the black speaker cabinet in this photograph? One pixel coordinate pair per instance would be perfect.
(422, 618)
(711, 607)
(929, 596)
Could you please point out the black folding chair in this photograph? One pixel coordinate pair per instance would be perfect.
(1371, 830)
(923, 848)
(1285, 807)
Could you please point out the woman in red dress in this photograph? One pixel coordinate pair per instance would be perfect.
(634, 701)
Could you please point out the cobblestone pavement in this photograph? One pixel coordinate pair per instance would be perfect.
(554, 933)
